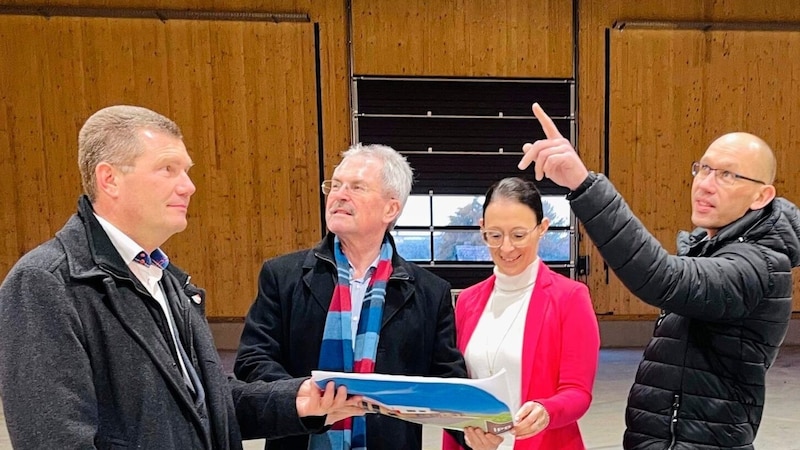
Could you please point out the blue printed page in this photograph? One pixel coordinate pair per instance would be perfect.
(452, 403)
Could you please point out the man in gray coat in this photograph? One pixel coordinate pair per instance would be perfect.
(725, 298)
(103, 342)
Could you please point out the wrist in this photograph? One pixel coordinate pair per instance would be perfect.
(587, 182)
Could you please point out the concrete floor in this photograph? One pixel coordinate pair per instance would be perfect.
(603, 425)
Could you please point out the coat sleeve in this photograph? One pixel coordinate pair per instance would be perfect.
(269, 409)
(259, 354)
(727, 286)
(580, 346)
(49, 399)
(447, 360)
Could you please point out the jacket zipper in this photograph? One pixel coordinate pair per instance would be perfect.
(661, 317)
(676, 403)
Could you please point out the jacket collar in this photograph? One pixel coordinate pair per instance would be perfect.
(773, 225)
(321, 283)
(89, 250)
(324, 251)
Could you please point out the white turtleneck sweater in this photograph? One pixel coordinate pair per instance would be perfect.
(497, 340)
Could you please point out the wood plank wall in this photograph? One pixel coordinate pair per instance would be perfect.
(262, 215)
(701, 90)
(254, 144)
(653, 143)
(495, 38)
(471, 38)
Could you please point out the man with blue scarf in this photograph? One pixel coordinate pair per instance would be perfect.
(352, 304)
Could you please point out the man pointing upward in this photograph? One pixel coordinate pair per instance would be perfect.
(725, 299)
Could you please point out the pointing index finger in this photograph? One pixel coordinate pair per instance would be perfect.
(548, 126)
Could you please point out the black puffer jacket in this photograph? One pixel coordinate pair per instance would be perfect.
(726, 305)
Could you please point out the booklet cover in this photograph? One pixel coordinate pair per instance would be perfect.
(452, 403)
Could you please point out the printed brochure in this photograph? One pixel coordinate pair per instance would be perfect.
(452, 403)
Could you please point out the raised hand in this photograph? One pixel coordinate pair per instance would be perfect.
(554, 157)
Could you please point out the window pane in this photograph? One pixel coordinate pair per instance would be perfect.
(417, 212)
(413, 245)
(464, 210)
(555, 246)
(557, 210)
(459, 246)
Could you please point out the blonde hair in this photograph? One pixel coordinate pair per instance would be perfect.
(111, 135)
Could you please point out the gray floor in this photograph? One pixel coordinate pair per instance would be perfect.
(603, 425)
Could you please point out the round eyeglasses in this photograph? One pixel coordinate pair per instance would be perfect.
(725, 177)
(357, 188)
(518, 237)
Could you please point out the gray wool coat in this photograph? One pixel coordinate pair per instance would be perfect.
(84, 359)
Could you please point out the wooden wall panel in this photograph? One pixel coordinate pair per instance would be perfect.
(672, 94)
(476, 38)
(39, 169)
(244, 94)
(595, 18)
(328, 14)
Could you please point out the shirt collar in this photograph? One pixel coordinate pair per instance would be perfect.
(126, 247)
(370, 270)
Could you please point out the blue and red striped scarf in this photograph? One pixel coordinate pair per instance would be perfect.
(337, 352)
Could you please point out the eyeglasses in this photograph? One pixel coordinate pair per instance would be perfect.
(356, 188)
(519, 237)
(725, 177)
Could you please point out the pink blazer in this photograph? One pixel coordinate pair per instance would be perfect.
(559, 354)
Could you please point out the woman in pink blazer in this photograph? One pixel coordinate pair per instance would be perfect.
(536, 324)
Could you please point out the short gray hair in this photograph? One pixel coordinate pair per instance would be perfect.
(111, 135)
(396, 175)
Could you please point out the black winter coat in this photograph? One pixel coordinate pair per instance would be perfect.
(283, 332)
(726, 304)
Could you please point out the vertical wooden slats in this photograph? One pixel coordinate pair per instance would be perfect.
(666, 110)
(594, 19)
(244, 94)
(28, 151)
(461, 38)
(482, 38)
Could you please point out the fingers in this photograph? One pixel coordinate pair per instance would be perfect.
(481, 440)
(336, 415)
(540, 151)
(311, 401)
(546, 122)
(353, 400)
(341, 406)
(530, 420)
(527, 158)
(532, 151)
(329, 397)
(523, 412)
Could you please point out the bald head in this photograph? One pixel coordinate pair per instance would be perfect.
(752, 152)
(744, 170)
